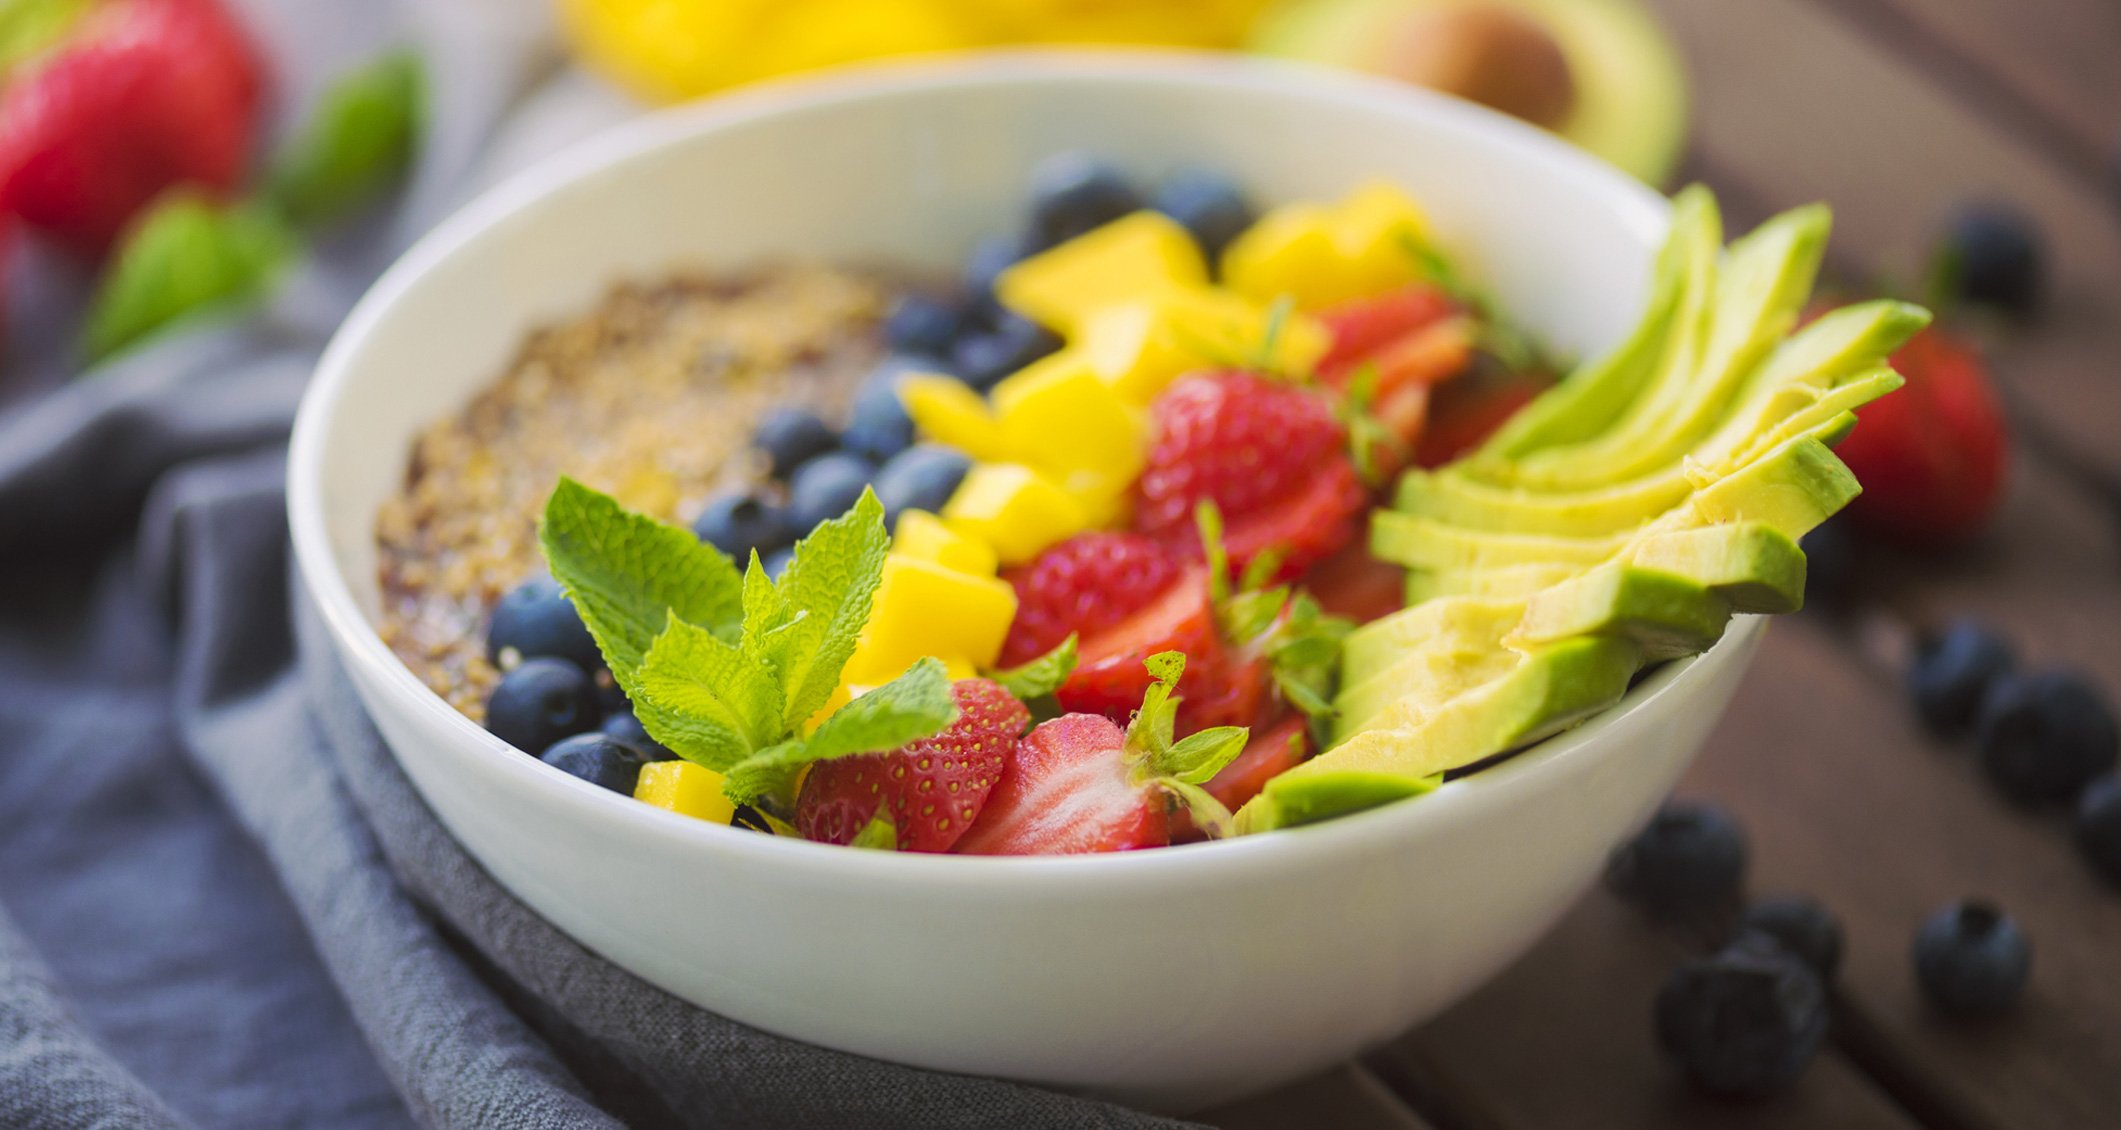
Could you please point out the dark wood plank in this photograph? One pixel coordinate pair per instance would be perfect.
(1563, 1039)
(1793, 103)
(1846, 800)
(1349, 1098)
(2044, 68)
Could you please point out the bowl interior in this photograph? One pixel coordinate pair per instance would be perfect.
(908, 167)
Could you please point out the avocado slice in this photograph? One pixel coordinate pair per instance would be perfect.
(1630, 101)
(1758, 293)
(1831, 366)
(1546, 691)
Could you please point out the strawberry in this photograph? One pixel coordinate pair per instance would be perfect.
(140, 96)
(1931, 454)
(1463, 412)
(1079, 784)
(1281, 748)
(1360, 328)
(1125, 598)
(934, 787)
(1354, 584)
(1269, 454)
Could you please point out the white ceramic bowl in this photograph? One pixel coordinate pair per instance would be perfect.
(1168, 978)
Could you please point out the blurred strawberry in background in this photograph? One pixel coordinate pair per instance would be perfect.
(108, 103)
(1931, 455)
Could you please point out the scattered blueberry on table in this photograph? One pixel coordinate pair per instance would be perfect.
(598, 759)
(1071, 193)
(2043, 736)
(1971, 959)
(1952, 674)
(1993, 257)
(1207, 204)
(825, 487)
(1744, 1022)
(1690, 859)
(535, 619)
(541, 701)
(2098, 826)
(923, 325)
(740, 522)
(1801, 925)
(791, 437)
(922, 477)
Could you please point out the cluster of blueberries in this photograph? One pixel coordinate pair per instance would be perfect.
(2043, 737)
(551, 703)
(967, 335)
(1748, 1019)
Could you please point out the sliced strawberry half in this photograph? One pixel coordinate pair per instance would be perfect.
(1931, 454)
(1465, 412)
(1109, 676)
(933, 789)
(1306, 527)
(1080, 784)
(1281, 748)
(1364, 326)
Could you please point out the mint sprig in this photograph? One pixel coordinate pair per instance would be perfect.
(726, 670)
(1301, 643)
(1036, 681)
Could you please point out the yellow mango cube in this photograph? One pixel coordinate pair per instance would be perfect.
(1377, 229)
(1014, 509)
(923, 608)
(1131, 257)
(1064, 419)
(951, 413)
(1141, 347)
(1323, 255)
(925, 537)
(686, 789)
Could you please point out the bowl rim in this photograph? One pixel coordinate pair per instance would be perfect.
(361, 643)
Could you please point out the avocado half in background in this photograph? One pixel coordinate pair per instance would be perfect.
(1601, 73)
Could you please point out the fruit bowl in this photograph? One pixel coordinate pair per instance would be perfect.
(1172, 979)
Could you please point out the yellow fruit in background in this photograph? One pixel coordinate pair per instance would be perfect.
(686, 789)
(1140, 347)
(1014, 509)
(923, 609)
(1060, 416)
(1135, 256)
(925, 537)
(1319, 255)
(950, 412)
(1177, 23)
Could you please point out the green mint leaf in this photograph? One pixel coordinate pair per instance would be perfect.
(1261, 568)
(1249, 616)
(709, 700)
(358, 141)
(187, 257)
(828, 590)
(1209, 814)
(1197, 757)
(629, 574)
(765, 610)
(1042, 676)
(1208, 518)
(879, 834)
(1270, 338)
(767, 778)
(917, 704)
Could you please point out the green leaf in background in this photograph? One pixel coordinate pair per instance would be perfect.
(30, 27)
(357, 142)
(186, 256)
(1042, 676)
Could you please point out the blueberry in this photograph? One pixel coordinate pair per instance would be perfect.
(1690, 859)
(598, 759)
(1072, 193)
(923, 325)
(776, 563)
(1994, 257)
(739, 522)
(2099, 826)
(1972, 959)
(1207, 204)
(983, 359)
(1745, 1022)
(825, 488)
(1800, 925)
(989, 258)
(536, 619)
(625, 727)
(878, 427)
(791, 437)
(1953, 672)
(922, 477)
(2045, 735)
(540, 702)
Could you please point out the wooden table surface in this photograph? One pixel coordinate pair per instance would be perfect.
(1893, 111)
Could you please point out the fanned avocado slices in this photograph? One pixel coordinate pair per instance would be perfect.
(1619, 521)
